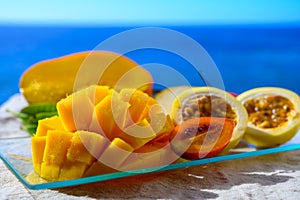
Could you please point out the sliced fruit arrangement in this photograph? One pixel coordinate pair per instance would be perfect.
(98, 127)
(196, 102)
(51, 80)
(93, 113)
(274, 115)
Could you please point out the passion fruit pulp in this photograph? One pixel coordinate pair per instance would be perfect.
(274, 115)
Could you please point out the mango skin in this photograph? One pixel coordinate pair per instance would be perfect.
(51, 80)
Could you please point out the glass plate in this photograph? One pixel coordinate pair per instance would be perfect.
(16, 154)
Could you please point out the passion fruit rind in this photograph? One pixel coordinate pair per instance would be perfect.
(209, 100)
(264, 140)
(274, 115)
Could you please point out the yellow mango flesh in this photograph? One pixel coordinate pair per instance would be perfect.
(62, 155)
(86, 147)
(50, 171)
(116, 153)
(106, 143)
(137, 100)
(38, 146)
(112, 108)
(54, 79)
(57, 144)
(140, 105)
(97, 93)
(52, 123)
(161, 123)
(102, 111)
(138, 134)
(79, 117)
(98, 168)
(72, 170)
(76, 117)
(157, 157)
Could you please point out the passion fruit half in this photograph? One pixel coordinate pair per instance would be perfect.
(274, 115)
(196, 102)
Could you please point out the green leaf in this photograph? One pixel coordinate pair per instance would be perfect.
(30, 115)
(38, 108)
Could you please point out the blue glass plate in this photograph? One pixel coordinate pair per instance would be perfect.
(16, 154)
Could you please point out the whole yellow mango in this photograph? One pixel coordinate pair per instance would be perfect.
(51, 80)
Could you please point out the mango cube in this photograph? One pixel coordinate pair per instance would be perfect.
(38, 146)
(72, 170)
(86, 147)
(116, 153)
(52, 123)
(112, 108)
(50, 171)
(138, 134)
(76, 111)
(57, 144)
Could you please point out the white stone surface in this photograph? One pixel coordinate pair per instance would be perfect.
(275, 176)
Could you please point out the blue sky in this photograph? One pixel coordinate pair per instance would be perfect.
(147, 12)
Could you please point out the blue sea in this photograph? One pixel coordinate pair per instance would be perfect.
(246, 56)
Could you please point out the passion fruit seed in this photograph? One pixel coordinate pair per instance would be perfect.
(269, 111)
(207, 106)
(192, 132)
(201, 137)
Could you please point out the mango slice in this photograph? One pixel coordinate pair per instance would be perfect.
(54, 79)
(98, 130)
